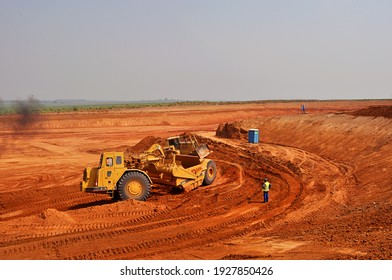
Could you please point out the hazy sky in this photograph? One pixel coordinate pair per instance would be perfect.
(195, 50)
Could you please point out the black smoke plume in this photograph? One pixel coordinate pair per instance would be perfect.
(21, 124)
(27, 111)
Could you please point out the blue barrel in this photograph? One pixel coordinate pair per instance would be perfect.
(253, 135)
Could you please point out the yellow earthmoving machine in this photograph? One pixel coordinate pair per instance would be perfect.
(181, 164)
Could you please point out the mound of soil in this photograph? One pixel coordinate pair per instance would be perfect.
(53, 216)
(231, 131)
(375, 111)
(145, 143)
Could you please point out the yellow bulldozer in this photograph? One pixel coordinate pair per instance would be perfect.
(181, 164)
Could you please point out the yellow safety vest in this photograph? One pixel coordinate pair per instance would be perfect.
(266, 186)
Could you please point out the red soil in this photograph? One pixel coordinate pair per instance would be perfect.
(330, 171)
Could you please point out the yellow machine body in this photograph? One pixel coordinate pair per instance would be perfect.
(182, 164)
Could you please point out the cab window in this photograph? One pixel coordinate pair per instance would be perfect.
(118, 159)
(109, 161)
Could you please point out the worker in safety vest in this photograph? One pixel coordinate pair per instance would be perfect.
(266, 188)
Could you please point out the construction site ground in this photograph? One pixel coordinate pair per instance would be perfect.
(330, 169)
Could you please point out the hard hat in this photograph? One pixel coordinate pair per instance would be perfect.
(265, 179)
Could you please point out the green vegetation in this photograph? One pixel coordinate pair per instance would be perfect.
(33, 106)
(45, 107)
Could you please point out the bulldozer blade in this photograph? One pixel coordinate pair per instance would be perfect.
(203, 151)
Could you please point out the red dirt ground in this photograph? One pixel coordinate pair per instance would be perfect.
(330, 170)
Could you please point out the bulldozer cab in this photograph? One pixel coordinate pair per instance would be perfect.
(109, 163)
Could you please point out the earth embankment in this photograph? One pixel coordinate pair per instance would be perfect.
(359, 142)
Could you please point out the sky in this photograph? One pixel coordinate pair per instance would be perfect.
(195, 50)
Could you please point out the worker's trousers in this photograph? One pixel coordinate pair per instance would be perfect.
(265, 197)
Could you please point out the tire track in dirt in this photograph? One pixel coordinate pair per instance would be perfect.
(300, 183)
(78, 230)
(314, 167)
(60, 202)
(276, 168)
(239, 182)
(180, 238)
(131, 226)
(231, 213)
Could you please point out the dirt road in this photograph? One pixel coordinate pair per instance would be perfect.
(331, 195)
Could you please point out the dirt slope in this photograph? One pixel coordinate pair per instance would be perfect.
(331, 196)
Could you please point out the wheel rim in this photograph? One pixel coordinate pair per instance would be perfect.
(134, 188)
(210, 172)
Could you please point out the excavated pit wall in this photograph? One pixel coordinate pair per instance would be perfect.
(358, 142)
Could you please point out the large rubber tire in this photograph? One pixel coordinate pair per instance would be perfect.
(210, 173)
(134, 185)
